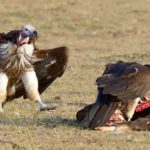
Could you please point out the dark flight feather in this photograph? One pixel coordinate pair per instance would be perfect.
(46, 70)
(49, 64)
(120, 82)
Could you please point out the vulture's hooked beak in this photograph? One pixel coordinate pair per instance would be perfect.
(22, 40)
(26, 35)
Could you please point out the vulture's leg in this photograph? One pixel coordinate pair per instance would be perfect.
(131, 106)
(30, 82)
(3, 89)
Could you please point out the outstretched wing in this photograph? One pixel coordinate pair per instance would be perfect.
(125, 80)
(5, 49)
(51, 66)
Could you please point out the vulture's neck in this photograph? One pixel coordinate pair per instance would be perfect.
(25, 49)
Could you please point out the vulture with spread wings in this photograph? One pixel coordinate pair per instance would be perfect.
(49, 64)
(120, 82)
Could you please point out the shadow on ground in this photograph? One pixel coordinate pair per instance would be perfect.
(48, 122)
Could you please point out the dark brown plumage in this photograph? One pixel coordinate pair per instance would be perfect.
(3, 38)
(120, 82)
(140, 119)
(45, 69)
(48, 64)
(14, 34)
(125, 80)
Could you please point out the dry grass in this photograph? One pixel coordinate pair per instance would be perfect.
(96, 32)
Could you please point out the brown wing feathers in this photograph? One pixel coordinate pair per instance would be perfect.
(128, 84)
(120, 81)
(49, 64)
(45, 71)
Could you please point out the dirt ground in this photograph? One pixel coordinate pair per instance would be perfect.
(96, 32)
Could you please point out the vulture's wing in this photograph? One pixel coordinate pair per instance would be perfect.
(140, 119)
(51, 66)
(131, 82)
(5, 49)
(3, 38)
(13, 35)
(120, 81)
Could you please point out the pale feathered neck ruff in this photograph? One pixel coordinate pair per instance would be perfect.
(18, 62)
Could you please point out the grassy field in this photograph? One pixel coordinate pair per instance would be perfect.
(96, 32)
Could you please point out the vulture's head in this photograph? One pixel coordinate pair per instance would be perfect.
(28, 34)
